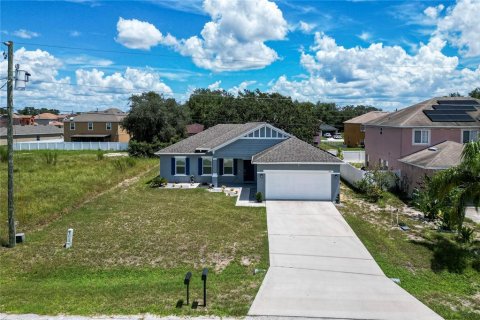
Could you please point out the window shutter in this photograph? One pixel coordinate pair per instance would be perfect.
(200, 166)
(235, 166)
(187, 165)
(220, 164)
(173, 166)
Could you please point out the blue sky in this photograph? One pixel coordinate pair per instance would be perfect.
(85, 55)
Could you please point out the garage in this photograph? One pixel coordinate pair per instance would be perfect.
(298, 185)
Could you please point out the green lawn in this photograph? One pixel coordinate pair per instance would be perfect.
(431, 265)
(43, 192)
(132, 248)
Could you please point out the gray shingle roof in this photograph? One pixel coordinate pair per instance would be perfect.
(210, 138)
(369, 116)
(97, 117)
(327, 127)
(414, 116)
(440, 156)
(32, 130)
(294, 150)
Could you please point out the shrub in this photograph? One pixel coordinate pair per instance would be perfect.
(3, 154)
(339, 153)
(259, 197)
(466, 234)
(144, 149)
(158, 182)
(100, 155)
(370, 189)
(50, 157)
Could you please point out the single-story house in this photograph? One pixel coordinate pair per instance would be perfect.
(427, 162)
(271, 160)
(31, 133)
(326, 128)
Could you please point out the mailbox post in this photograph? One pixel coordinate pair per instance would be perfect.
(204, 279)
(187, 283)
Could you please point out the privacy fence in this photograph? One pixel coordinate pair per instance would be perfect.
(43, 145)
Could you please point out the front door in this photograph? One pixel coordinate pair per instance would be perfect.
(248, 171)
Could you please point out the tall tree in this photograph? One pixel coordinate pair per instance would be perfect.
(31, 111)
(153, 118)
(475, 93)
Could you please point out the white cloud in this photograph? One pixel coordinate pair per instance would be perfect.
(306, 27)
(215, 86)
(376, 73)
(241, 87)
(89, 88)
(234, 39)
(365, 36)
(460, 26)
(434, 12)
(88, 61)
(75, 33)
(135, 34)
(25, 34)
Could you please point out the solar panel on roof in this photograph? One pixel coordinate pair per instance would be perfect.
(454, 107)
(427, 112)
(440, 116)
(457, 102)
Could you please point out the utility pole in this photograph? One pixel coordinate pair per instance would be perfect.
(11, 212)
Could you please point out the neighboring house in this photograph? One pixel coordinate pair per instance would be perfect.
(46, 118)
(194, 128)
(31, 133)
(4, 120)
(278, 164)
(354, 129)
(426, 162)
(99, 126)
(326, 128)
(57, 124)
(404, 132)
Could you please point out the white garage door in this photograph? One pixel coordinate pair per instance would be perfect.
(298, 185)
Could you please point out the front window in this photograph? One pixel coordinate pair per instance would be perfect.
(72, 125)
(228, 166)
(421, 136)
(470, 135)
(108, 126)
(90, 126)
(206, 165)
(180, 165)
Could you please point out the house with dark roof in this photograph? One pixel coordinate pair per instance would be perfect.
(31, 133)
(407, 131)
(427, 162)
(269, 159)
(354, 129)
(100, 126)
(194, 128)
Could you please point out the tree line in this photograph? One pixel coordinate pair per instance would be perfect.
(155, 121)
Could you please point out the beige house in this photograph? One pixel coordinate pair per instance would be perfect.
(100, 126)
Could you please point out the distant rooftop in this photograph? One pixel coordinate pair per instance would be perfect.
(108, 115)
(194, 128)
(19, 130)
(369, 116)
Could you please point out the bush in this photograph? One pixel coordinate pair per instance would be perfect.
(144, 149)
(339, 153)
(259, 197)
(466, 234)
(50, 157)
(100, 155)
(158, 182)
(370, 189)
(3, 154)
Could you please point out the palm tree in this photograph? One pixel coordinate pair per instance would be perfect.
(460, 185)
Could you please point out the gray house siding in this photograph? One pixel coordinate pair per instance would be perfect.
(335, 168)
(245, 148)
(166, 170)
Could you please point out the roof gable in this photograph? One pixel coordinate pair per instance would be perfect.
(294, 150)
(366, 117)
(440, 156)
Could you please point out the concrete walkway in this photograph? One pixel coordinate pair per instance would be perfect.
(320, 269)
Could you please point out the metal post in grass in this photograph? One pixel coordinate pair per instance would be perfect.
(186, 282)
(204, 279)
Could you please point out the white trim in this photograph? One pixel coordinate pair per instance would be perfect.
(228, 175)
(71, 126)
(233, 167)
(106, 126)
(211, 165)
(469, 138)
(179, 154)
(88, 126)
(429, 137)
(295, 171)
(246, 133)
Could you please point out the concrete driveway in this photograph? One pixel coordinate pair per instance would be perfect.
(320, 269)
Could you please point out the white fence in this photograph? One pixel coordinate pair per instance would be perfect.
(351, 156)
(44, 145)
(351, 174)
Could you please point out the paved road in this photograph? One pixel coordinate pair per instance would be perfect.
(320, 269)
